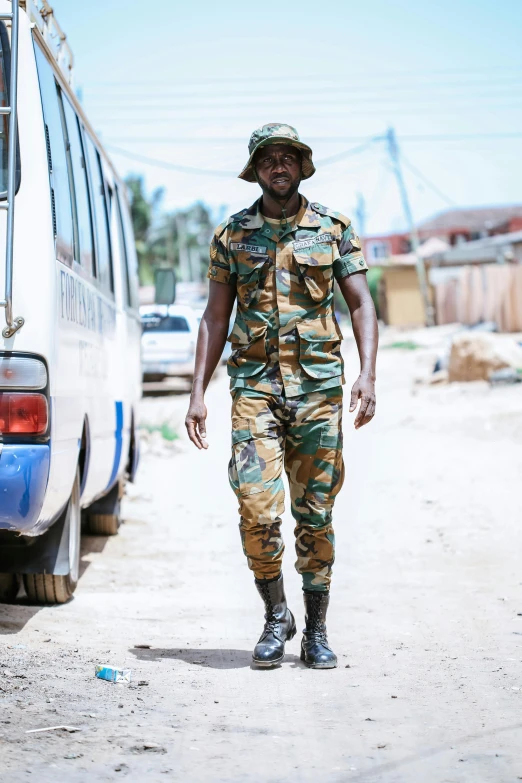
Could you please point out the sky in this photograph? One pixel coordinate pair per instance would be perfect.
(172, 85)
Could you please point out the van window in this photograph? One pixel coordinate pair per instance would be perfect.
(124, 262)
(4, 101)
(79, 190)
(56, 158)
(131, 268)
(101, 216)
(5, 79)
(169, 323)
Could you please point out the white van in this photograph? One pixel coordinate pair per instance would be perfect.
(70, 376)
(170, 334)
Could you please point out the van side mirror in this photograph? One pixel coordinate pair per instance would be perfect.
(164, 286)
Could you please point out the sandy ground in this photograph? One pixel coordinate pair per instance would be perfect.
(426, 615)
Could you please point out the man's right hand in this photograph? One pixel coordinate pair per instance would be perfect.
(212, 336)
(195, 422)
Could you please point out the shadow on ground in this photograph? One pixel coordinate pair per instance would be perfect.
(90, 545)
(213, 659)
(13, 617)
(16, 614)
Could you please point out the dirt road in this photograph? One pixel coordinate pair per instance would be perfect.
(426, 615)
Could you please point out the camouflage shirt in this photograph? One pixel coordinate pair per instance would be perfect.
(285, 338)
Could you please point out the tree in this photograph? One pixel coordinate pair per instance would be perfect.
(179, 239)
(143, 211)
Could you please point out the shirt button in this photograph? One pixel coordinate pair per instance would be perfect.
(213, 272)
(267, 231)
(361, 262)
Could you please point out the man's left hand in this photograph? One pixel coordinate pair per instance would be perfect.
(363, 390)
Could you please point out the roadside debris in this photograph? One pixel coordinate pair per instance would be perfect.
(440, 376)
(113, 674)
(475, 356)
(70, 729)
(506, 376)
(148, 747)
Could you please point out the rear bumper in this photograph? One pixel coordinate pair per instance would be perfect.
(184, 367)
(24, 472)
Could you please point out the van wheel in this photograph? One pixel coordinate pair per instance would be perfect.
(105, 518)
(58, 588)
(103, 524)
(9, 586)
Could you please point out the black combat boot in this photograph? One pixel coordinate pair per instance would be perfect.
(279, 623)
(315, 651)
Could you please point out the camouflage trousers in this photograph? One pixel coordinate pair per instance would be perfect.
(303, 435)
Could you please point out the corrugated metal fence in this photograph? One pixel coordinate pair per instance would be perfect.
(489, 292)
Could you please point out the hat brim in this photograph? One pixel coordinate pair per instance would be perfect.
(308, 167)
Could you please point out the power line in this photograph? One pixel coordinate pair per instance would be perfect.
(358, 77)
(216, 173)
(168, 113)
(407, 138)
(348, 153)
(171, 103)
(165, 164)
(322, 162)
(450, 88)
(303, 114)
(427, 181)
(461, 136)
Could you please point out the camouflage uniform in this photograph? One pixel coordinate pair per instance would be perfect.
(286, 373)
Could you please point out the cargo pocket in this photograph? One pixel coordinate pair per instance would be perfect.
(249, 355)
(245, 468)
(250, 272)
(320, 349)
(329, 464)
(316, 269)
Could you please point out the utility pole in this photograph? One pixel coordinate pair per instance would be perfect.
(184, 258)
(393, 150)
(360, 213)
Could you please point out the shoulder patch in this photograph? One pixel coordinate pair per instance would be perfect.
(238, 216)
(331, 214)
(220, 230)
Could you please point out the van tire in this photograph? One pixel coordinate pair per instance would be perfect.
(105, 517)
(58, 588)
(103, 524)
(9, 586)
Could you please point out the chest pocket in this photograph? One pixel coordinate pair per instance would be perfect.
(315, 267)
(251, 273)
(249, 355)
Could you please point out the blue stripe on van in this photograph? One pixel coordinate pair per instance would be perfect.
(24, 471)
(118, 434)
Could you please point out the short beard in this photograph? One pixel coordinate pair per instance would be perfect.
(266, 188)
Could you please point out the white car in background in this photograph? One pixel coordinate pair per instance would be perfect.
(168, 342)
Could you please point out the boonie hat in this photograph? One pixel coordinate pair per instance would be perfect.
(276, 133)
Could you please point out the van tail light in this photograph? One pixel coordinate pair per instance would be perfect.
(23, 414)
(22, 372)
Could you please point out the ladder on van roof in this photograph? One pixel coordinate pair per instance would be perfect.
(41, 15)
(12, 324)
(53, 37)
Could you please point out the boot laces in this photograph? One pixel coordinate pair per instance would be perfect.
(316, 628)
(271, 622)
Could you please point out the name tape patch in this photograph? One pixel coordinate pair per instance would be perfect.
(259, 249)
(317, 240)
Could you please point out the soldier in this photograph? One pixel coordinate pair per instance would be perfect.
(279, 259)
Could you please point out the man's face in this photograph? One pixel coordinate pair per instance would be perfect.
(278, 169)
